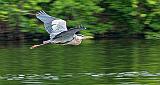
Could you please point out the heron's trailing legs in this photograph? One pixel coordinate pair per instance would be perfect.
(44, 43)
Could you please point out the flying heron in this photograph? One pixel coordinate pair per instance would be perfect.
(57, 29)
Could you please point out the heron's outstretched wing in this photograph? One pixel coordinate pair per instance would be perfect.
(44, 17)
(52, 25)
(58, 26)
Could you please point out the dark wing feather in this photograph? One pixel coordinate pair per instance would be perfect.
(46, 19)
(70, 32)
(48, 27)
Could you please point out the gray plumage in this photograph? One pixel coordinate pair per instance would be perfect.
(57, 28)
(46, 19)
(67, 36)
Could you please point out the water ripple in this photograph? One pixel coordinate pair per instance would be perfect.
(49, 76)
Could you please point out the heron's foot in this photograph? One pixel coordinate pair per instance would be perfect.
(46, 42)
(34, 46)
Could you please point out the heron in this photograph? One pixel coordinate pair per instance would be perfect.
(58, 32)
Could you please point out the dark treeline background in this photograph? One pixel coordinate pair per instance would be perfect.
(102, 18)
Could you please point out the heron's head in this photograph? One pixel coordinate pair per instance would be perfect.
(77, 39)
(79, 36)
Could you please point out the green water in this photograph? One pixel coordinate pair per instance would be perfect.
(94, 62)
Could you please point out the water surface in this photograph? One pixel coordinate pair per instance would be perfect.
(94, 62)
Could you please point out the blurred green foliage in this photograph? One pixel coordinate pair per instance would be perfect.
(99, 16)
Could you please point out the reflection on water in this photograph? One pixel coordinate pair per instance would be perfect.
(99, 62)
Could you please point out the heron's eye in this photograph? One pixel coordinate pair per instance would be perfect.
(80, 35)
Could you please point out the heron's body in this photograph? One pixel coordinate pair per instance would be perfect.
(58, 31)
